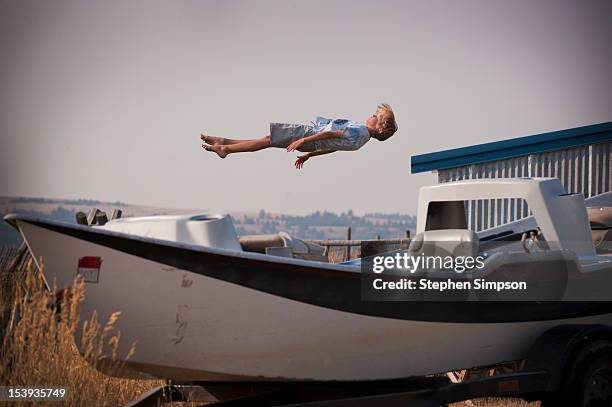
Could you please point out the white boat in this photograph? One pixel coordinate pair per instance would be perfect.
(201, 308)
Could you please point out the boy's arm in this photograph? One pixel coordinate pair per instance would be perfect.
(299, 163)
(315, 137)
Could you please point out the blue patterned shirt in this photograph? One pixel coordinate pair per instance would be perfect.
(354, 135)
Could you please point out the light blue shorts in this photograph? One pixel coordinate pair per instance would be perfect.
(283, 134)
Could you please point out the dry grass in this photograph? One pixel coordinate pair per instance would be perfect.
(38, 348)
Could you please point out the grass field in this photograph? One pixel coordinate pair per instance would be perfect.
(38, 347)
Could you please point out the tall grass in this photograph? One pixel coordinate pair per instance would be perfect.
(38, 347)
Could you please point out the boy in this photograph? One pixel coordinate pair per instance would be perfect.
(323, 137)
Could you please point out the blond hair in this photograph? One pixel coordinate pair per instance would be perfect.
(386, 126)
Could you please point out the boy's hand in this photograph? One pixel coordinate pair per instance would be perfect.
(295, 145)
(299, 163)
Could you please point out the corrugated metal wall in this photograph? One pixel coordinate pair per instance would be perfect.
(586, 169)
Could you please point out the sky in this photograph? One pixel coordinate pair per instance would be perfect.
(106, 99)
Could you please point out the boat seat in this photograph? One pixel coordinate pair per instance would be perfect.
(284, 245)
(600, 220)
(600, 217)
(445, 242)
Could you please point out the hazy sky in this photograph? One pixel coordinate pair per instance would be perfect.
(106, 99)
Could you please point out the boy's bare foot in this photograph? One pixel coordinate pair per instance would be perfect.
(212, 140)
(219, 149)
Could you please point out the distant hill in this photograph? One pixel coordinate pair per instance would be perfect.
(317, 225)
(328, 225)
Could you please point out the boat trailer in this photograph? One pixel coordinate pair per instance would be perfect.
(569, 365)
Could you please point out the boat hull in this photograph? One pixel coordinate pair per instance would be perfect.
(218, 318)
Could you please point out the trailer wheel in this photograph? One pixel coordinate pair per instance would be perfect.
(588, 380)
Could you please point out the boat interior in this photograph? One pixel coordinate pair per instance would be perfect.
(521, 235)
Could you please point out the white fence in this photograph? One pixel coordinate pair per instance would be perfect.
(585, 169)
